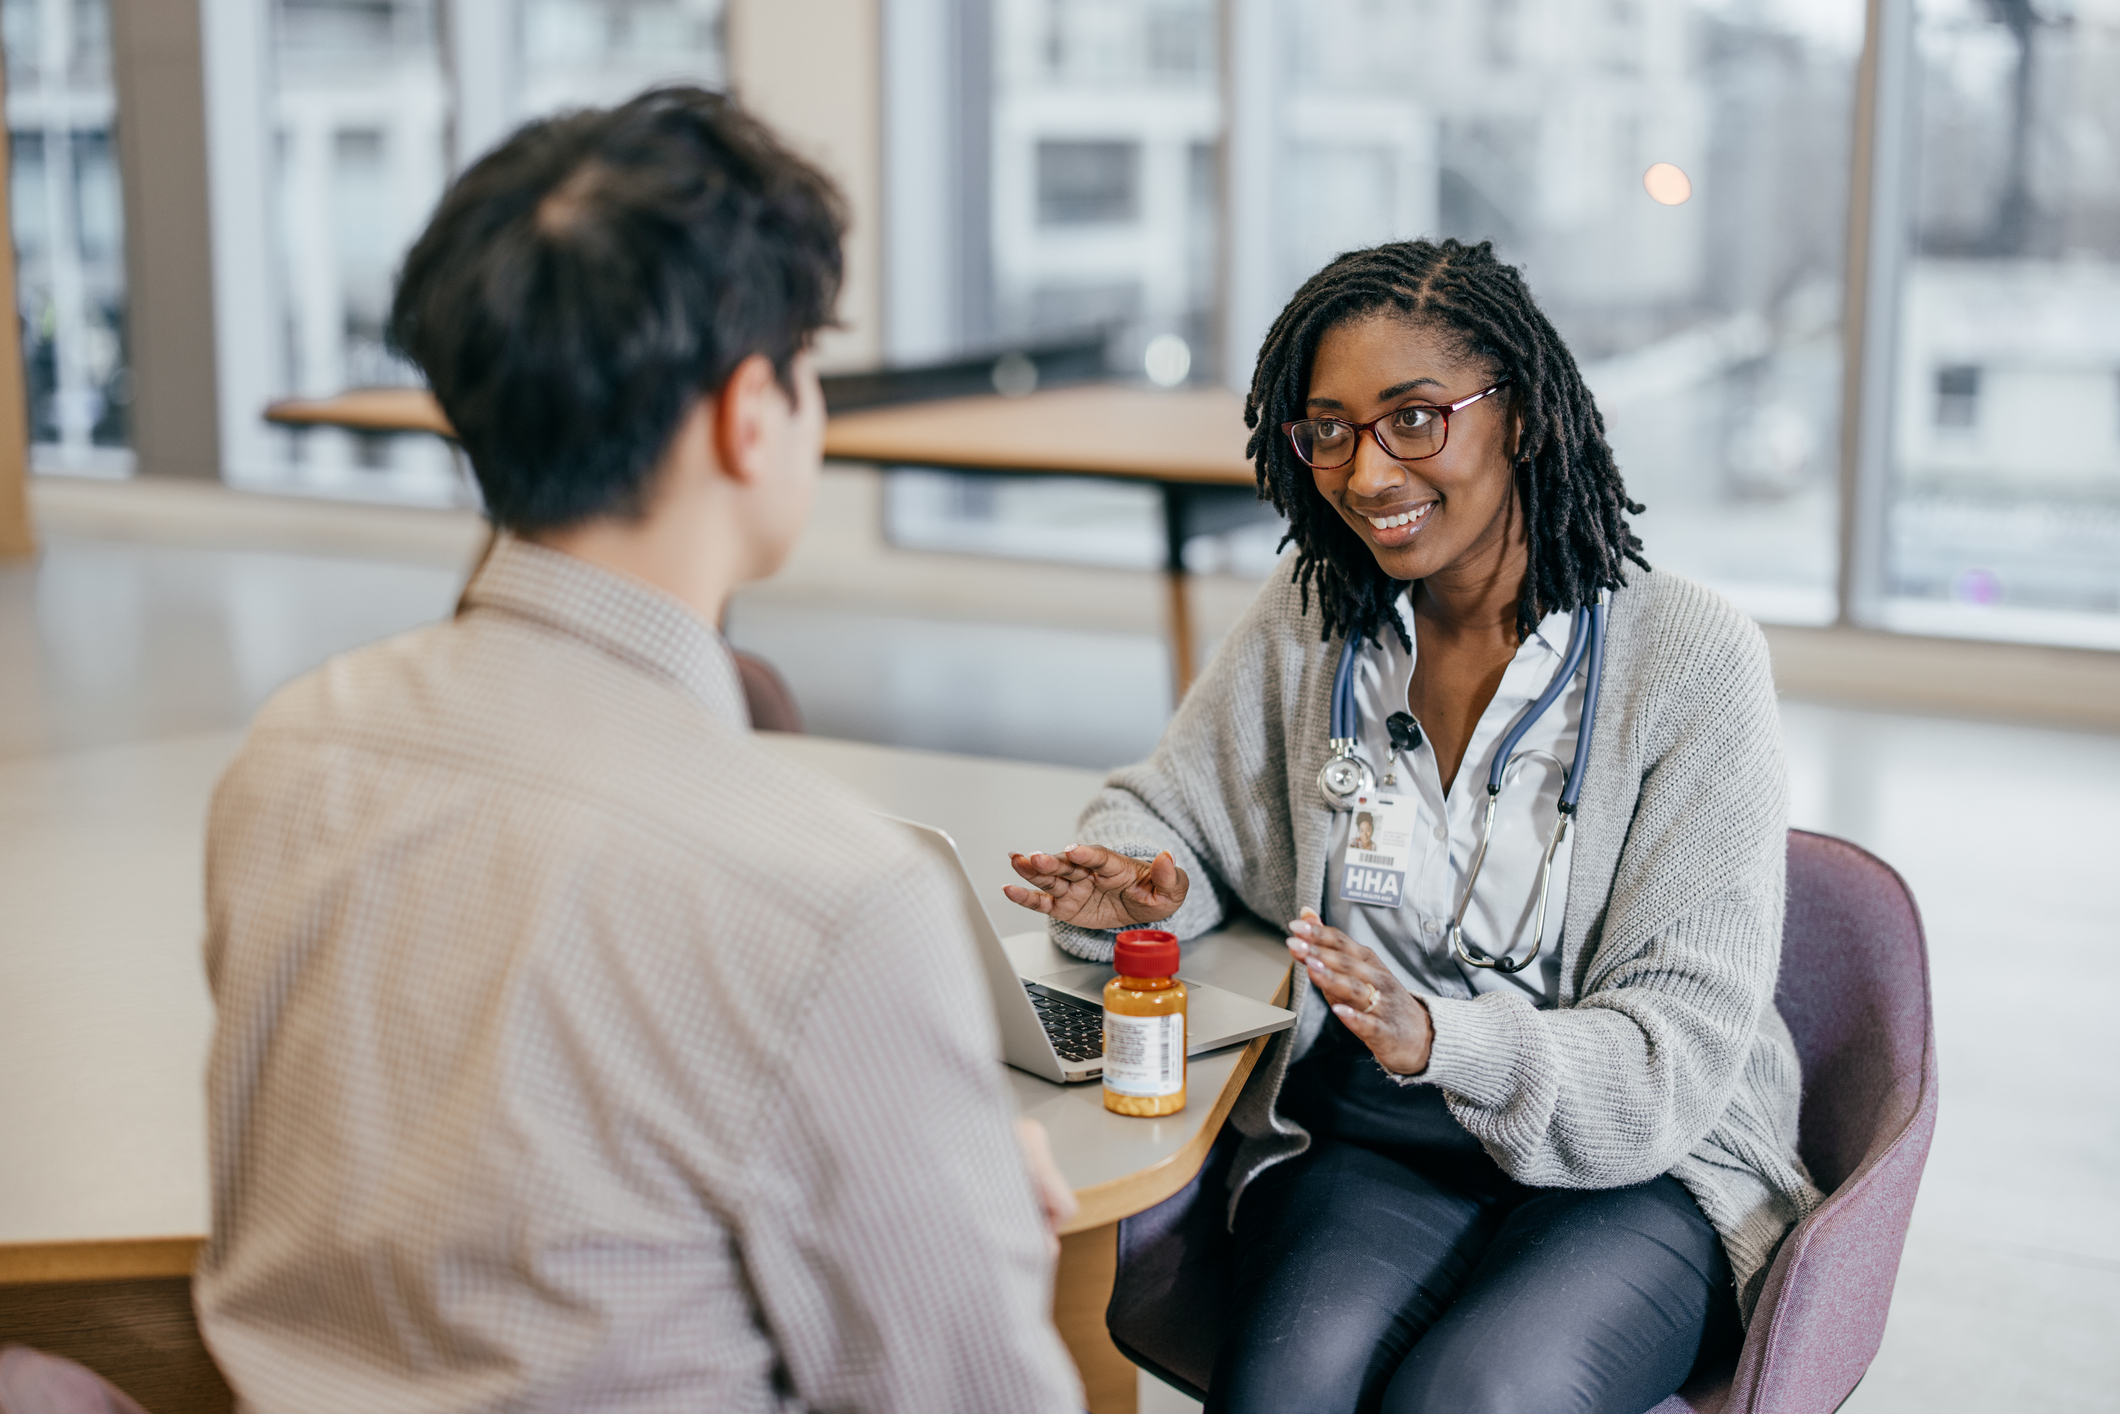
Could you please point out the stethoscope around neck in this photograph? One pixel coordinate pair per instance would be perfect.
(1346, 775)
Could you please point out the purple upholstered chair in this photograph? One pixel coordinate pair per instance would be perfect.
(1854, 990)
(766, 694)
(32, 1382)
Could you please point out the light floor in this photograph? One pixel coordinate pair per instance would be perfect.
(2009, 1293)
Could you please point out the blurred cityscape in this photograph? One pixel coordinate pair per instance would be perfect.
(1093, 149)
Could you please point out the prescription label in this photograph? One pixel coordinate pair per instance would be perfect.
(1379, 842)
(1144, 1055)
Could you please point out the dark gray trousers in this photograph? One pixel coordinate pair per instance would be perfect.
(1395, 1268)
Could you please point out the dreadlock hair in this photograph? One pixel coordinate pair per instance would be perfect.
(1573, 501)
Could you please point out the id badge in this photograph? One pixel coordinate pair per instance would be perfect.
(1373, 868)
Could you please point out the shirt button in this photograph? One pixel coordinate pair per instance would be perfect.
(1441, 833)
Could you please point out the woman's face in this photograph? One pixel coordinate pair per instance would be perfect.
(1438, 511)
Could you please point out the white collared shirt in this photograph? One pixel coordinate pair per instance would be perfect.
(1413, 937)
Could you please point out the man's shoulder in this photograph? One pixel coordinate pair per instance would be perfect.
(613, 762)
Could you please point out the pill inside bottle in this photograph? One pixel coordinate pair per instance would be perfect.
(1144, 1026)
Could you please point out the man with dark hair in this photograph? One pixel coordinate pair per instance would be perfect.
(558, 1063)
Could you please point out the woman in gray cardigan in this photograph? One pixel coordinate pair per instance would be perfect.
(1550, 1184)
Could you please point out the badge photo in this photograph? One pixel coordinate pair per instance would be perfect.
(1373, 866)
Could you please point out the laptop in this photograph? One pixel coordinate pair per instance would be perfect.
(1052, 1025)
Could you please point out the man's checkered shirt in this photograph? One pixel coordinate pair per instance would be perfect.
(575, 1051)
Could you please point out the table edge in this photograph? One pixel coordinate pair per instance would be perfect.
(1105, 1203)
(1137, 1192)
(896, 454)
(113, 1259)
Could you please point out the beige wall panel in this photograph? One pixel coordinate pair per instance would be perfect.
(813, 69)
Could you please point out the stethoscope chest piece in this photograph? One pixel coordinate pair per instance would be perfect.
(1344, 775)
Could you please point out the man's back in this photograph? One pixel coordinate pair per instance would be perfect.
(546, 1070)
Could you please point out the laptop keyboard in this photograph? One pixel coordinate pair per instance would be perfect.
(1075, 1028)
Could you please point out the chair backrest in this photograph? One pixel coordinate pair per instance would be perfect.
(771, 705)
(32, 1382)
(1854, 990)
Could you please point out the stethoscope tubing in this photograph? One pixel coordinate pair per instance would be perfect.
(1586, 636)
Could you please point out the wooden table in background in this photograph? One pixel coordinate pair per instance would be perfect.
(104, 1022)
(1188, 443)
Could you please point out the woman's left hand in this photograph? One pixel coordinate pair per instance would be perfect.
(1367, 998)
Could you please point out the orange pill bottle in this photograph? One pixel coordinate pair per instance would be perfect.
(1144, 1026)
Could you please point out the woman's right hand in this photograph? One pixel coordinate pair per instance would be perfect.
(1092, 887)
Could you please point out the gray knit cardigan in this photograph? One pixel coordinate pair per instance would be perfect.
(1665, 1054)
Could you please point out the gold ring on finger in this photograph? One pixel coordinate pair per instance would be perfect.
(1375, 996)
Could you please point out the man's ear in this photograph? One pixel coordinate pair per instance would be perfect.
(742, 419)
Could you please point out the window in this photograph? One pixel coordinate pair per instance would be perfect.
(1087, 183)
(373, 105)
(605, 51)
(1709, 328)
(1083, 198)
(1102, 119)
(68, 217)
(1958, 395)
(2004, 511)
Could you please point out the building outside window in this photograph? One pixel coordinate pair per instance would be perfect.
(68, 216)
(1105, 115)
(572, 53)
(2004, 515)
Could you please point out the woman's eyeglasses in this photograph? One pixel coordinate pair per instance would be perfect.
(1408, 434)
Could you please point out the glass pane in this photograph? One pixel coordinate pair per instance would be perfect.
(598, 52)
(2005, 510)
(359, 110)
(1098, 178)
(1106, 115)
(68, 217)
(1703, 303)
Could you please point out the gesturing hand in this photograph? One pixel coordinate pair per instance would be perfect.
(1092, 887)
(1367, 998)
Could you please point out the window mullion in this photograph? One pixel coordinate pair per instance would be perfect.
(1877, 242)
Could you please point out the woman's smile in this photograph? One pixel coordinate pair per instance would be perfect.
(1393, 526)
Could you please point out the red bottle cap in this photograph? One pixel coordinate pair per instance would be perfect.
(1146, 952)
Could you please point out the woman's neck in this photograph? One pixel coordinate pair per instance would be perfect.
(1475, 598)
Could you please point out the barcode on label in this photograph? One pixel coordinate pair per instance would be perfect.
(1144, 1055)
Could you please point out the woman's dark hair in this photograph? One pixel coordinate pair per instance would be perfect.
(585, 281)
(1574, 503)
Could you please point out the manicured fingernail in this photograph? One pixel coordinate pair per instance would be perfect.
(1299, 947)
(1342, 1012)
(1299, 926)
(1310, 913)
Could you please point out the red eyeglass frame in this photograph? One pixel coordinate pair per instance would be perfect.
(1288, 429)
